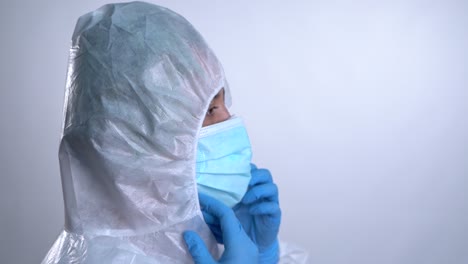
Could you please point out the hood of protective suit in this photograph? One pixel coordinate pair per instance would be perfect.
(139, 82)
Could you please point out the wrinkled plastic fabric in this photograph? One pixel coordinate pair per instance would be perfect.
(139, 82)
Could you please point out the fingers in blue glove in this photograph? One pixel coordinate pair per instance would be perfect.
(228, 222)
(209, 219)
(239, 248)
(265, 208)
(266, 191)
(253, 167)
(197, 248)
(260, 176)
(214, 226)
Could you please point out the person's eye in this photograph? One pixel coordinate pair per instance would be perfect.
(211, 110)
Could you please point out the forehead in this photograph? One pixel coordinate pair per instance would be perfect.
(219, 96)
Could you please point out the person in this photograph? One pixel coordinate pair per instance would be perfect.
(146, 131)
(224, 172)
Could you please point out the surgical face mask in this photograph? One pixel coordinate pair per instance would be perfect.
(223, 161)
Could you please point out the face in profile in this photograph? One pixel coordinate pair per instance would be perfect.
(217, 110)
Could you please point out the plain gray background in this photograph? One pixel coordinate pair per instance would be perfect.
(359, 109)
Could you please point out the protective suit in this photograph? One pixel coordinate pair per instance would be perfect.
(140, 79)
(139, 82)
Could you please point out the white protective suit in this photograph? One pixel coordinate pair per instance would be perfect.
(139, 82)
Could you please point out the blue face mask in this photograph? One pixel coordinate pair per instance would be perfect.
(223, 161)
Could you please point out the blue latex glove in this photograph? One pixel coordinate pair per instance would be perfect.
(238, 248)
(260, 214)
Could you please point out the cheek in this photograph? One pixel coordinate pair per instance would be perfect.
(223, 114)
(207, 121)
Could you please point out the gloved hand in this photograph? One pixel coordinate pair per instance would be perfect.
(238, 248)
(260, 214)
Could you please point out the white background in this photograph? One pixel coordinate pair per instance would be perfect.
(359, 109)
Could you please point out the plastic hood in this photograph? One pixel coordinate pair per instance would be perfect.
(139, 82)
